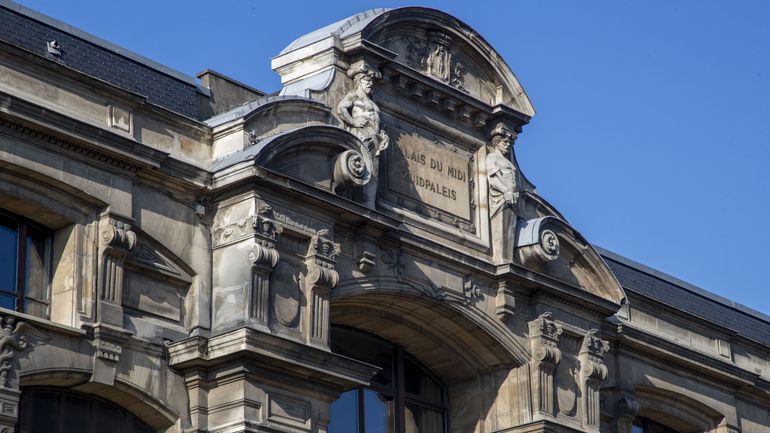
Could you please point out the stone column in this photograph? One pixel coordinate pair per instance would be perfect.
(544, 335)
(592, 374)
(320, 280)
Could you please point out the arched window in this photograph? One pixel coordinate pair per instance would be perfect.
(646, 425)
(58, 411)
(404, 397)
(25, 262)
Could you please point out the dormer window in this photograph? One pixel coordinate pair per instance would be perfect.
(25, 262)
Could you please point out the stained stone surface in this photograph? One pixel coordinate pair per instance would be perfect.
(199, 261)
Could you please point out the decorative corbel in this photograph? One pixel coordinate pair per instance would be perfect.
(263, 258)
(592, 373)
(626, 411)
(14, 338)
(116, 240)
(536, 244)
(505, 301)
(544, 335)
(108, 347)
(321, 279)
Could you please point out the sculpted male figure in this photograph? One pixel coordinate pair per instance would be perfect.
(501, 173)
(360, 114)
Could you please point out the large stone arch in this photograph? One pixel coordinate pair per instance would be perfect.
(455, 341)
(680, 412)
(134, 399)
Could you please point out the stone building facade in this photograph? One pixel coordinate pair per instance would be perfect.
(359, 252)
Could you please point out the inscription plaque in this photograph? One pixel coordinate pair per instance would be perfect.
(432, 174)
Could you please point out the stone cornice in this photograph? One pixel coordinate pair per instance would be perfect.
(633, 340)
(289, 356)
(94, 144)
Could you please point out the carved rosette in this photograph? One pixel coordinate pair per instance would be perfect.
(544, 336)
(263, 257)
(320, 280)
(592, 372)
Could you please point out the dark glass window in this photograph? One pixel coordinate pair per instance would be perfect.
(24, 265)
(646, 425)
(57, 411)
(404, 397)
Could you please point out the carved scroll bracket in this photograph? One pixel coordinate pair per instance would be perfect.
(536, 244)
(116, 240)
(352, 168)
(544, 336)
(321, 279)
(592, 373)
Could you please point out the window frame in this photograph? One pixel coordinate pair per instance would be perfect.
(20, 293)
(397, 393)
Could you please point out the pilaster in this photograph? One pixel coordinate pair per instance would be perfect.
(592, 374)
(116, 240)
(320, 280)
(544, 336)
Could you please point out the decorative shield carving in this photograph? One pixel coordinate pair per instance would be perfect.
(287, 298)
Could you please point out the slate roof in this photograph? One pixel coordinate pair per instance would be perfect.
(671, 291)
(85, 53)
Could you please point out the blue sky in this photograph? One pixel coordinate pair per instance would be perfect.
(652, 132)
